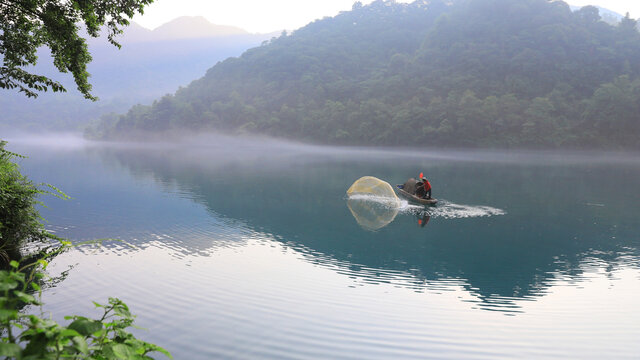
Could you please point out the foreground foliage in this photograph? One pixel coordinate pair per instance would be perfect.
(463, 72)
(27, 336)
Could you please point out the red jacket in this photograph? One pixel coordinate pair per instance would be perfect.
(427, 185)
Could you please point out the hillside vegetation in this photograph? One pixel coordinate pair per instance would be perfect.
(462, 73)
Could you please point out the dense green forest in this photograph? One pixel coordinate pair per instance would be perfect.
(433, 72)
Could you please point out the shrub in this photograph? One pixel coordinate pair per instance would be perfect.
(19, 219)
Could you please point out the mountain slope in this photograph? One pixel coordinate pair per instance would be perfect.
(469, 72)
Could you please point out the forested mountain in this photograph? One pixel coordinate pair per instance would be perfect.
(150, 63)
(433, 72)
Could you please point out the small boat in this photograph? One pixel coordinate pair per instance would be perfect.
(414, 198)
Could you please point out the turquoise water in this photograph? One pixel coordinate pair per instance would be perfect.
(251, 249)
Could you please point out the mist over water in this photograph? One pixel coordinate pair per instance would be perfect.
(220, 144)
(53, 141)
(258, 236)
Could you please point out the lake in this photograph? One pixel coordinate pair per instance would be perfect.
(251, 249)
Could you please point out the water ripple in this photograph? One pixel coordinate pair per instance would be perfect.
(264, 299)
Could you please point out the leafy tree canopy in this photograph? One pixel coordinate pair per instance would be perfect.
(26, 25)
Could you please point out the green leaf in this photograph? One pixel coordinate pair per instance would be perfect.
(26, 298)
(8, 285)
(85, 326)
(69, 333)
(121, 351)
(6, 314)
(122, 311)
(152, 348)
(81, 344)
(10, 350)
(36, 346)
(97, 305)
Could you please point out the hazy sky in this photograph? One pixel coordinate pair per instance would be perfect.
(619, 6)
(273, 15)
(261, 16)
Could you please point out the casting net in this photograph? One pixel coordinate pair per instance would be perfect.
(369, 185)
(372, 202)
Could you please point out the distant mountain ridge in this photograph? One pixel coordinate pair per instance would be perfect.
(184, 27)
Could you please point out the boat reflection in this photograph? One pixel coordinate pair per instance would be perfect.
(423, 219)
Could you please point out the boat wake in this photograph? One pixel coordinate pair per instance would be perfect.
(445, 209)
(449, 210)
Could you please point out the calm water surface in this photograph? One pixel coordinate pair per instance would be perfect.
(248, 249)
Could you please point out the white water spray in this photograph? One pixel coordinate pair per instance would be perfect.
(444, 209)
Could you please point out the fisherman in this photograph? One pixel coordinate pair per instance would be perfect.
(427, 188)
(423, 188)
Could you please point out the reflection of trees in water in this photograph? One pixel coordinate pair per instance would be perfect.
(300, 200)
